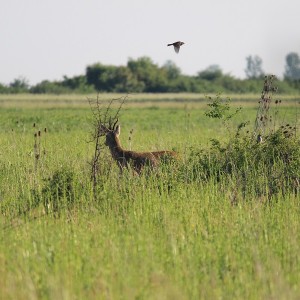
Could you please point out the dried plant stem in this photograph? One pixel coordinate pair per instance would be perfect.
(104, 114)
(263, 117)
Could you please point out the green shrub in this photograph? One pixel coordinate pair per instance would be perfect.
(259, 163)
(267, 168)
(59, 191)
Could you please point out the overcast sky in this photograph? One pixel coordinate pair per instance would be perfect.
(46, 39)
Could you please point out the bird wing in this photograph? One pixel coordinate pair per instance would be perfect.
(176, 48)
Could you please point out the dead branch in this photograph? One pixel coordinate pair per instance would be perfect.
(105, 117)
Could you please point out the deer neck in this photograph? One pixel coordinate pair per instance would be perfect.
(116, 148)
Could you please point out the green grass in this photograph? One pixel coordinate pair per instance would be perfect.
(148, 237)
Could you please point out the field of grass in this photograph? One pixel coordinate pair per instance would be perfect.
(157, 236)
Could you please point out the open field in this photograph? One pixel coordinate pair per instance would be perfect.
(165, 99)
(159, 236)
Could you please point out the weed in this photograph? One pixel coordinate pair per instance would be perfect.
(267, 166)
(58, 192)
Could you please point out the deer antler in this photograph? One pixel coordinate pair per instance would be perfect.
(112, 124)
(116, 122)
(104, 129)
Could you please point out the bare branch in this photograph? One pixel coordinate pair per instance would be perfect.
(105, 118)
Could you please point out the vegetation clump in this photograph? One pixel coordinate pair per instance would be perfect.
(262, 162)
(58, 192)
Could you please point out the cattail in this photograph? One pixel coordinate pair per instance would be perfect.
(39, 133)
(33, 124)
(35, 135)
(45, 129)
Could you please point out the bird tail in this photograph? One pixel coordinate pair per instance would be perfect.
(170, 44)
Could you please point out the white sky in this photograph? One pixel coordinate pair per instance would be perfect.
(46, 39)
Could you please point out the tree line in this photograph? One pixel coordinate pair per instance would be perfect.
(143, 75)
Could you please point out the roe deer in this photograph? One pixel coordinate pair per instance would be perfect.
(137, 160)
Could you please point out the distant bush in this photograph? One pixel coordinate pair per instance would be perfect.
(68, 85)
(47, 87)
(4, 89)
(142, 75)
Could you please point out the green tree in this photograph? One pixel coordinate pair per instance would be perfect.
(173, 72)
(126, 82)
(77, 83)
(292, 67)
(3, 89)
(154, 78)
(100, 77)
(19, 85)
(48, 87)
(211, 73)
(254, 67)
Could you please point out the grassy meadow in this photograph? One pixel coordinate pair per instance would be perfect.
(169, 234)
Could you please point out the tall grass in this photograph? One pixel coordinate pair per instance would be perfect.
(179, 233)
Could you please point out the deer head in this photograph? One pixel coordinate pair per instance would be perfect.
(112, 136)
(111, 132)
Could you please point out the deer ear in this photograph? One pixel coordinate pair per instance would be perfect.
(118, 130)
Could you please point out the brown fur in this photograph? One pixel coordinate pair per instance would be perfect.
(137, 160)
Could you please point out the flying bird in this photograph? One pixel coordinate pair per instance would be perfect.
(176, 46)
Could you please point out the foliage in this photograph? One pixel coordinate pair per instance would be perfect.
(19, 85)
(218, 108)
(266, 161)
(211, 73)
(58, 192)
(46, 86)
(292, 68)
(254, 67)
(263, 169)
(4, 89)
(143, 75)
(173, 72)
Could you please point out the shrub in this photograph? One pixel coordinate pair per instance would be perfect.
(264, 162)
(267, 168)
(59, 191)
